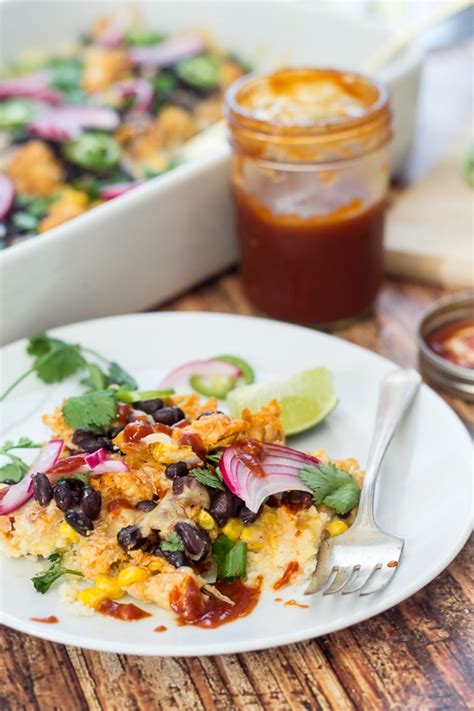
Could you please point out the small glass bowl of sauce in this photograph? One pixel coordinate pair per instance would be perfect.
(310, 171)
(446, 344)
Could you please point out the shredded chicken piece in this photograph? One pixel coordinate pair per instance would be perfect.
(102, 67)
(34, 169)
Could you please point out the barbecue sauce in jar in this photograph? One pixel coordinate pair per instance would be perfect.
(310, 175)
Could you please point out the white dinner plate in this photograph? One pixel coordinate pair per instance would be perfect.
(424, 488)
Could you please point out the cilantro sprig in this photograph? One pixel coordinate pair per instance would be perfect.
(172, 543)
(331, 486)
(43, 581)
(54, 360)
(16, 468)
(209, 478)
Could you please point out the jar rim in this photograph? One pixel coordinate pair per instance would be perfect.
(236, 113)
(450, 309)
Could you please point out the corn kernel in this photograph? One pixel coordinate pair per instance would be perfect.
(132, 574)
(247, 534)
(109, 586)
(232, 529)
(156, 565)
(336, 527)
(68, 533)
(92, 597)
(206, 521)
(255, 546)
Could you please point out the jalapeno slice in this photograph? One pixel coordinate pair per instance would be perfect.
(212, 386)
(247, 373)
(17, 112)
(131, 396)
(201, 72)
(97, 151)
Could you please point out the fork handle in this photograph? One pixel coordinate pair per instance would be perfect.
(397, 392)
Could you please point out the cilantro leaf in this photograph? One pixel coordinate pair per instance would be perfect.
(16, 467)
(39, 344)
(23, 443)
(172, 543)
(92, 411)
(331, 486)
(209, 478)
(60, 363)
(118, 376)
(26, 443)
(12, 472)
(54, 360)
(57, 556)
(79, 476)
(43, 581)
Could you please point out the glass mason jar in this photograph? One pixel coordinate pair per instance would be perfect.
(310, 172)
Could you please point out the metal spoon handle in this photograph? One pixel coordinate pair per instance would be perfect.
(397, 392)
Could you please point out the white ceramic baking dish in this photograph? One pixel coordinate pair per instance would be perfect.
(176, 230)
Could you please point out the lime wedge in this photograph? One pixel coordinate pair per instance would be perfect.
(306, 398)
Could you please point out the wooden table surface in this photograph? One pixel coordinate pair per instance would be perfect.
(416, 656)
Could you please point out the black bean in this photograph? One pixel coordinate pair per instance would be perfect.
(77, 490)
(88, 441)
(115, 430)
(42, 489)
(146, 505)
(63, 495)
(196, 542)
(91, 502)
(237, 505)
(130, 538)
(175, 470)
(208, 413)
(297, 499)
(151, 544)
(149, 406)
(176, 558)
(247, 516)
(182, 482)
(168, 415)
(221, 507)
(79, 522)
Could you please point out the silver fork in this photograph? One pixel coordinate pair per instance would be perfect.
(364, 559)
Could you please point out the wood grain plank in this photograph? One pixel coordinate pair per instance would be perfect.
(27, 682)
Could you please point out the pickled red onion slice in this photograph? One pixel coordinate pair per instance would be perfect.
(279, 465)
(18, 494)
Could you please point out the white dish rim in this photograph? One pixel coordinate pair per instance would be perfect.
(383, 603)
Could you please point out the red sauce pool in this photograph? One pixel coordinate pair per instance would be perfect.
(316, 270)
(160, 628)
(51, 620)
(122, 611)
(454, 342)
(290, 570)
(193, 608)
